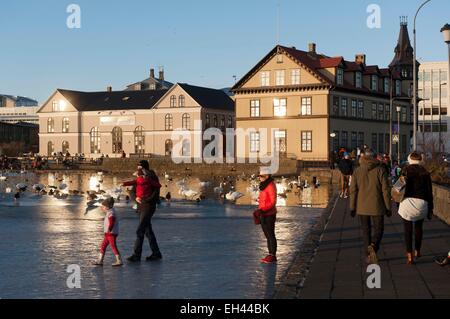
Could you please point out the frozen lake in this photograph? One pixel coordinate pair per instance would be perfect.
(211, 249)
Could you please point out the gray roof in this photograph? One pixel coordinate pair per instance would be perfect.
(209, 98)
(111, 101)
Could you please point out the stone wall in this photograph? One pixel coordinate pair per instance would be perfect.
(442, 202)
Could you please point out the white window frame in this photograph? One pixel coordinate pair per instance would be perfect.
(255, 108)
(306, 107)
(279, 107)
(255, 142)
(340, 76)
(265, 78)
(358, 80)
(374, 82)
(306, 141)
(295, 76)
(280, 77)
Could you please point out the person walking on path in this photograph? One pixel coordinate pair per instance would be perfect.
(147, 195)
(370, 199)
(111, 231)
(417, 204)
(266, 214)
(346, 169)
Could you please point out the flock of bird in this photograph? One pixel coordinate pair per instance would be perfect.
(226, 189)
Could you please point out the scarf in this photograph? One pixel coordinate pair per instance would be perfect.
(263, 185)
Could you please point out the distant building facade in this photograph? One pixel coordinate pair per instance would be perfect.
(18, 138)
(137, 122)
(314, 104)
(152, 83)
(434, 119)
(15, 109)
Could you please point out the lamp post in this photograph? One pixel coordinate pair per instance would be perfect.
(415, 79)
(440, 116)
(392, 100)
(399, 109)
(446, 33)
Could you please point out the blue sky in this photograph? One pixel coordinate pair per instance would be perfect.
(201, 42)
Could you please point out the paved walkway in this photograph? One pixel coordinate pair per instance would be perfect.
(338, 270)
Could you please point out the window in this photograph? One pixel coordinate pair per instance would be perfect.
(168, 147)
(336, 106)
(222, 123)
(230, 121)
(398, 87)
(169, 122)
(404, 114)
(265, 78)
(360, 139)
(279, 77)
(215, 121)
(55, 106)
(354, 141)
(50, 125)
(295, 77)
(254, 142)
(65, 125)
(380, 112)
(207, 121)
(354, 108)
(186, 122)
(374, 142)
(152, 86)
(307, 141)
(405, 73)
(139, 140)
(340, 76)
(374, 83)
(186, 148)
(387, 85)
(336, 141)
(387, 112)
(94, 137)
(255, 108)
(279, 58)
(345, 139)
(344, 111)
(117, 139)
(173, 101)
(279, 107)
(50, 148)
(306, 106)
(65, 147)
(358, 80)
(361, 109)
(181, 101)
(443, 76)
(280, 141)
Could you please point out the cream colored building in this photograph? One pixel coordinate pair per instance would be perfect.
(310, 104)
(137, 122)
(15, 109)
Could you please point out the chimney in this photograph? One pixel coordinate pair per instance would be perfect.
(161, 74)
(109, 89)
(360, 59)
(312, 48)
(152, 73)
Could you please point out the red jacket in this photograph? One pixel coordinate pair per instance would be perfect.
(268, 199)
(144, 186)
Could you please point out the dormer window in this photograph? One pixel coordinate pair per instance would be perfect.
(374, 83)
(340, 76)
(398, 88)
(358, 80)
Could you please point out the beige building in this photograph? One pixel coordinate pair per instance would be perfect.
(16, 109)
(137, 122)
(310, 104)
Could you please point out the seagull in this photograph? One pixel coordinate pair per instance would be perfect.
(204, 184)
(62, 186)
(233, 196)
(219, 190)
(8, 190)
(38, 188)
(3, 178)
(22, 187)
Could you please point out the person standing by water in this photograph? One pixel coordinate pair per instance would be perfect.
(417, 204)
(147, 195)
(267, 213)
(370, 198)
(346, 169)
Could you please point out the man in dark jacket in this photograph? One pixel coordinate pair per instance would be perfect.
(370, 198)
(346, 169)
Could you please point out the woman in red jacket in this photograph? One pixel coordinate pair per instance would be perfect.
(268, 213)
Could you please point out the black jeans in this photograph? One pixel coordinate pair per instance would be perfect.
(146, 212)
(268, 227)
(418, 230)
(378, 230)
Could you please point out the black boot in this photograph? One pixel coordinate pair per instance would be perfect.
(154, 257)
(134, 259)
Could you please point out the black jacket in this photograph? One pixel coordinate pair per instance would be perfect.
(418, 184)
(346, 166)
